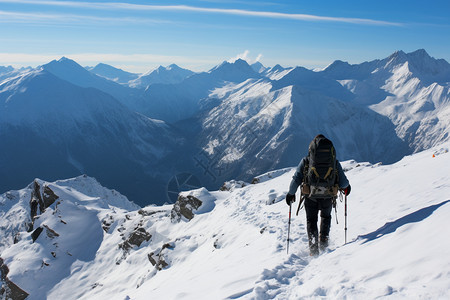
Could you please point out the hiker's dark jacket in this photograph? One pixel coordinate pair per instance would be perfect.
(298, 177)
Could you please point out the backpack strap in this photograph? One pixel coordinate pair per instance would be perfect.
(330, 169)
(305, 170)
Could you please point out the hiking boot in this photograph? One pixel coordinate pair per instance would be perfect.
(313, 250)
(323, 243)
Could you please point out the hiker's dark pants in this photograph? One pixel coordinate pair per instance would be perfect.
(312, 207)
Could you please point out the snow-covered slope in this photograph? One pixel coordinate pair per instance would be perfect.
(180, 101)
(276, 72)
(72, 72)
(50, 127)
(412, 89)
(112, 73)
(231, 244)
(168, 75)
(258, 67)
(8, 72)
(4, 70)
(261, 125)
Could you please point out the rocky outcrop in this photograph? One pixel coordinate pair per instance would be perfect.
(233, 184)
(37, 232)
(158, 257)
(8, 289)
(107, 222)
(184, 208)
(48, 196)
(135, 239)
(40, 200)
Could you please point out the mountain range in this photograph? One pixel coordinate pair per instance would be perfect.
(137, 132)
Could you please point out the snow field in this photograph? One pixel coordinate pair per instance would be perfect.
(235, 246)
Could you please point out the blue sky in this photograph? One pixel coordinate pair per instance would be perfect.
(140, 35)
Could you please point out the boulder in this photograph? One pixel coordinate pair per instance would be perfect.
(190, 203)
(158, 259)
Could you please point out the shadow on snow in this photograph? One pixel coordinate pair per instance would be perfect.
(391, 227)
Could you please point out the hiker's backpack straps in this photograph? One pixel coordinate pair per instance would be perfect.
(321, 173)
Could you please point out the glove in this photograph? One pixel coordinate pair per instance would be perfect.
(347, 190)
(290, 199)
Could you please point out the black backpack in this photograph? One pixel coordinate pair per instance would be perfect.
(320, 175)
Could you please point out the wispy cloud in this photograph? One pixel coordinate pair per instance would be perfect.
(246, 56)
(32, 17)
(187, 8)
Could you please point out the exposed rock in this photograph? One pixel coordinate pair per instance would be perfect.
(44, 200)
(36, 200)
(50, 232)
(49, 197)
(255, 180)
(8, 289)
(136, 238)
(36, 233)
(16, 237)
(233, 184)
(4, 270)
(269, 175)
(158, 259)
(146, 213)
(184, 208)
(107, 222)
(96, 285)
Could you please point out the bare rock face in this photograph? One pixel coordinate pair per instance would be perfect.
(35, 234)
(184, 208)
(41, 200)
(8, 289)
(48, 196)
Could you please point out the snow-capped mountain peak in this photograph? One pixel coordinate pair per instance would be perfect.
(171, 74)
(258, 67)
(236, 71)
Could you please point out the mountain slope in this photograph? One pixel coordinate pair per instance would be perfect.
(72, 72)
(52, 128)
(112, 73)
(168, 75)
(181, 101)
(412, 89)
(234, 246)
(257, 128)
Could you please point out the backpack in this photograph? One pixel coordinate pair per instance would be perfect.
(320, 174)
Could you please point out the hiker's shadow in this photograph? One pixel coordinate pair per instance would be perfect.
(390, 227)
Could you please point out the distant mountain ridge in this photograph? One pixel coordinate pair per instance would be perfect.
(412, 89)
(166, 75)
(51, 127)
(237, 120)
(112, 73)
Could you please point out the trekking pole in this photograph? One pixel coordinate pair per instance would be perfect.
(289, 227)
(302, 198)
(345, 228)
